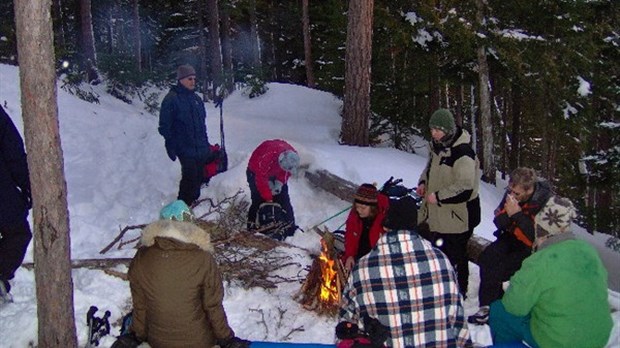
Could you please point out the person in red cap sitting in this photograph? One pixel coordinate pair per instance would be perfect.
(364, 223)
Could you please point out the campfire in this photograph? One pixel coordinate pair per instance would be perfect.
(322, 289)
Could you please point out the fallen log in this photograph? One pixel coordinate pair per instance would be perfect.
(332, 183)
(345, 190)
(91, 263)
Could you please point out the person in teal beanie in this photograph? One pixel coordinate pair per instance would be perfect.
(559, 296)
(176, 287)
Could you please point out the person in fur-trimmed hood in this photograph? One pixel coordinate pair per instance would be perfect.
(176, 286)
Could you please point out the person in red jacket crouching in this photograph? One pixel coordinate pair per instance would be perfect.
(270, 166)
(364, 224)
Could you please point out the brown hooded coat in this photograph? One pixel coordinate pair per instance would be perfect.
(177, 288)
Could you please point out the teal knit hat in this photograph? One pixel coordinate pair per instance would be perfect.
(176, 210)
(289, 161)
(443, 120)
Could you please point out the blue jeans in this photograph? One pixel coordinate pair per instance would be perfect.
(509, 329)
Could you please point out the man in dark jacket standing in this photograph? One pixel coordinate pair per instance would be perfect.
(182, 123)
(14, 204)
(514, 219)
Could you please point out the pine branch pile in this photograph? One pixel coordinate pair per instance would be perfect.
(247, 259)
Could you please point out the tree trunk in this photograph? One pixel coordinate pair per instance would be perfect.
(254, 47)
(202, 48)
(357, 73)
(52, 253)
(59, 23)
(87, 43)
(515, 138)
(137, 37)
(305, 19)
(215, 49)
(489, 168)
(474, 123)
(226, 47)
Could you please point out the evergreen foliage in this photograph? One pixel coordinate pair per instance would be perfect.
(553, 72)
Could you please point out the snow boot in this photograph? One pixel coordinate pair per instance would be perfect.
(5, 296)
(481, 317)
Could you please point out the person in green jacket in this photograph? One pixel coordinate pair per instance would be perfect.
(559, 296)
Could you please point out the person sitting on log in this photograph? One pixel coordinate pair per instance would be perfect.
(559, 296)
(364, 224)
(176, 287)
(514, 219)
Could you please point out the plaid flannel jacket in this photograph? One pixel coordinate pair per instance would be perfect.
(410, 287)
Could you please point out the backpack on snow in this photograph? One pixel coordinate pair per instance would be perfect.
(218, 162)
(399, 194)
(350, 336)
(273, 220)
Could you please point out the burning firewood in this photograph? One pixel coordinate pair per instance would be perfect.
(322, 290)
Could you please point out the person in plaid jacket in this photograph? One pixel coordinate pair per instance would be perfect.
(409, 286)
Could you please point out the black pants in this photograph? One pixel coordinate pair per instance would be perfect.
(13, 245)
(192, 175)
(282, 198)
(455, 248)
(498, 262)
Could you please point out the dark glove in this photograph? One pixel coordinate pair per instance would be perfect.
(385, 189)
(170, 151)
(127, 340)
(235, 342)
(27, 197)
(217, 101)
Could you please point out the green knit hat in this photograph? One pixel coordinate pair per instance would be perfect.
(443, 120)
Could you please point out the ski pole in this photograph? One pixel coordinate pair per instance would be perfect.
(331, 217)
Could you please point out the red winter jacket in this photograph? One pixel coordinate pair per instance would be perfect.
(353, 228)
(264, 164)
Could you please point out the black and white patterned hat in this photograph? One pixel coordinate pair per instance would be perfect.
(555, 217)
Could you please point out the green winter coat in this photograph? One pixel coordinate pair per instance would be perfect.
(453, 173)
(176, 288)
(564, 288)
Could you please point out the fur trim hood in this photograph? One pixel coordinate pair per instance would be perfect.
(182, 231)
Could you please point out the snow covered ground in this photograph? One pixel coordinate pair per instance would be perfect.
(118, 174)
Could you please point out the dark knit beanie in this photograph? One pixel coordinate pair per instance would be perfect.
(184, 71)
(443, 120)
(402, 214)
(366, 194)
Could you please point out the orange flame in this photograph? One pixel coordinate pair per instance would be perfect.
(330, 293)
